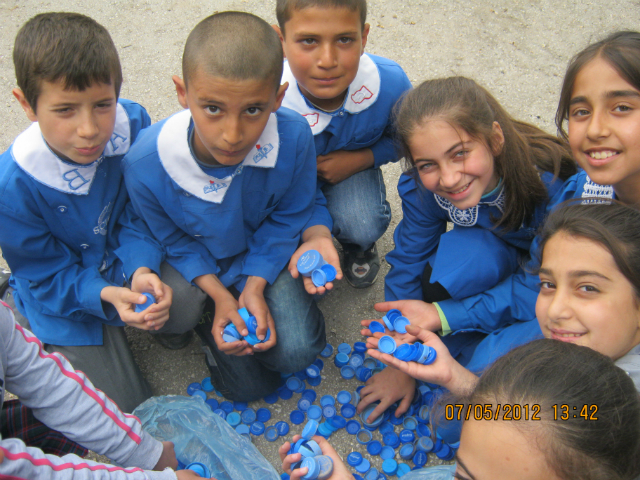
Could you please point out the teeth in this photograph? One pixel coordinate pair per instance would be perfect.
(602, 155)
(569, 335)
(461, 190)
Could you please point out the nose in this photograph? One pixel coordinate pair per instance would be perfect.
(598, 125)
(559, 306)
(88, 126)
(328, 57)
(232, 133)
(450, 175)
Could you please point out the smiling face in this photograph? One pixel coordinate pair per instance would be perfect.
(323, 47)
(452, 164)
(584, 298)
(75, 124)
(228, 115)
(604, 128)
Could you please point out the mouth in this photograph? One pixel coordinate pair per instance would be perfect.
(458, 192)
(89, 150)
(565, 336)
(600, 157)
(326, 80)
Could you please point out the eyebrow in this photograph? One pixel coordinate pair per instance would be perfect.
(459, 144)
(609, 95)
(312, 34)
(461, 463)
(578, 273)
(221, 103)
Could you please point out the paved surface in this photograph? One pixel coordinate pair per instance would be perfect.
(517, 49)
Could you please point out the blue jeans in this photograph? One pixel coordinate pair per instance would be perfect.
(359, 208)
(301, 337)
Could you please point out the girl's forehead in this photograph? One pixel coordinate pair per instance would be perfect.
(599, 78)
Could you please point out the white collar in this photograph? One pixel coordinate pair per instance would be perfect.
(176, 157)
(363, 93)
(33, 155)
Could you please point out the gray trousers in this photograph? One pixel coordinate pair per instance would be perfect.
(111, 366)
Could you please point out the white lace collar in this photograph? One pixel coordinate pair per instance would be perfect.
(596, 193)
(469, 217)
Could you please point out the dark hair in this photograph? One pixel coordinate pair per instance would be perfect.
(466, 105)
(285, 8)
(621, 50)
(64, 46)
(549, 372)
(233, 45)
(613, 225)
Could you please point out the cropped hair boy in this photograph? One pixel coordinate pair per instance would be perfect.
(226, 187)
(347, 98)
(68, 232)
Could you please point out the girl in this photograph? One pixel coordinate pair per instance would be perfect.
(586, 426)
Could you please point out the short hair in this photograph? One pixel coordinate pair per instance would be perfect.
(285, 8)
(234, 45)
(64, 46)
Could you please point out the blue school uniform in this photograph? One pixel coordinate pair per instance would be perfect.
(469, 259)
(363, 121)
(231, 221)
(60, 230)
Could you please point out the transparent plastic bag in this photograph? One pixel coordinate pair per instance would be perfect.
(199, 435)
(441, 472)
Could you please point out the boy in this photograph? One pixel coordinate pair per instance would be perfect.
(347, 98)
(226, 187)
(63, 206)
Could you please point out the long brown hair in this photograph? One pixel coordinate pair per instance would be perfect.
(466, 105)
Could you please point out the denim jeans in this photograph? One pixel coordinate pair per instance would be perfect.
(359, 208)
(301, 337)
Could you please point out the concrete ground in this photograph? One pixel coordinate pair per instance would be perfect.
(517, 49)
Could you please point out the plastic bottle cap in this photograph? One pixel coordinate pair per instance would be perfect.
(393, 420)
(372, 474)
(271, 434)
(304, 404)
(420, 459)
(356, 361)
(424, 444)
(364, 416)
(240, 406)
(390, 466)
(206, 384)
(314, 382)
(403, 352)
(410, 423)
(353, 427)
(363, 373)
(360, 347)
(150, 301)
(193, 387)
(329, 271)
(220, 413)
(229, 338)
(348, 410)
(213, 403)
(310, 429)
(318, 277)
(393, 314)
(328, 411)
(313, 371)
(263, 415)
(376, 327)
(309, 261)
(407, 436)
(318, 363)
(296, 417)
(324, 430)
(403, 469)
(400, 324)
(248, 416)
(363, 437)
(242, 429)
(295, 384)
(374, 447)
(445, 453)
(200, 394)
(341, 359)
(200, 469)
(327, 400)
(388, 323)
(233, 419)
(386, 427)
(226, 406)
(354, 458)
(271, 398)
(282, 427)
(406, 451)
(337, 422)
(430, 357)
(285, 393)
(387, 452)
(344, 397)
(391, 440)
(364, 466)
(257, 428)
(387, 344)
(344, 348)
(347, 372)
(327, 352)
(309, 395)
(314, 412)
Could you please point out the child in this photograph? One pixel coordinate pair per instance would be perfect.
(572, 414)
(347, 99)
(63, 206)
(226, 187)
(49, 390)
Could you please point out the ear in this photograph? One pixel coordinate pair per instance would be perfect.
(365, 35)
(181, 90)
(280, 96)
(281, 37)
(497, 139)
(19, 94)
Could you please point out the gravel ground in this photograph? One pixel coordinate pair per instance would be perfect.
(517, 49)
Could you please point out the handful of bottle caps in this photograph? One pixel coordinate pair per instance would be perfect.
(320, 467)
(311, 264)
(407, 352)
(231, 334)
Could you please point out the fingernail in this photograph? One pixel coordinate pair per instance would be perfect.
(261, 337)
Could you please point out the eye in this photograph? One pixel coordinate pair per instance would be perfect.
(622, 108)
(345, 40)
(212, 110)
(546, 285)
(426, 166)
(308, 41)
(63, 110)
(588, 289)
(253, 111)
(461, 153)
(580, 112)
(104, 105)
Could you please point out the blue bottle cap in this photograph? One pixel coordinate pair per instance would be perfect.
(390, 466)
(200, 468)
(410, 423)
(337, 422)
(344, 397)
(341, 359)
(374, 447)
(370, 363)
(312, 466)
(318, 277)
(329, 271)
(252, 339)
(393, 314)
(424, 444)
(387, 452)
(271, 434)
(150, 301)
(301, 374)
(263, 415)
(400, 324)
(348, 410)
(353, 427)
(430, 356)
(363, 373)
(296, 417)
(228, 338)
(445, 453)
(213, 403)
(403, 352)
(295, 384)
(344, 348)
(201, 394)
(354, 458)
(257, 428)
(376, 327)
(240, 406)
(310, 429)
(422, 430)
(314, 412)
(403, 469)
(327, 352)
(314, 382)
(318, 363)
(391, 439)
(360, 347)
(220, 413)
(284, 476)
(285, 393)
(271, 398)
(423, 414)
(315, 448)
(347, 372)
(386, 427)
(356, 361)
(206, 384)
(248, 416)
(242, 429)
(420, 459)
(193, 387)
(387, 344)
(303, 404)
(407, 436)
(406, 451)
(233, 419)
(387, 323)
(313, 371)
(324, 430)
(327, 400)
(226, 406)
(232, 331)
(364, 436)
(364, 416)
(395, 420)
(372, 474)
(310, 395)
(309, 261)
(328, 411)
(364, 466)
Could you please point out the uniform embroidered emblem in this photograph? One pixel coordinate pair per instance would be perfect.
(361, 95)
(74, 179)
(595, 193)
(468, 217)
(262, 153)
(312, 118)
(103, 220)
(214, 187)
(114, 138)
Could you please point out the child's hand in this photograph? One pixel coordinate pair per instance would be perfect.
(341, 164)
(317, 238)
(187, 475)
(419, 313)
(252, 298)
(340, 471)
(445, 371)
(124, 300)
(167, 457)
(387, 386)
(146, 281)
(227, 312)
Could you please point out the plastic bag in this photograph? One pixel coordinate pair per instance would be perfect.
(441, 472)
(199, 435)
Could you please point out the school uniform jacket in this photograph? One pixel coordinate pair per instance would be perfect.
(60, 231)
(425, 217)
(231, 221)
(66, 401)
(363, 121)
